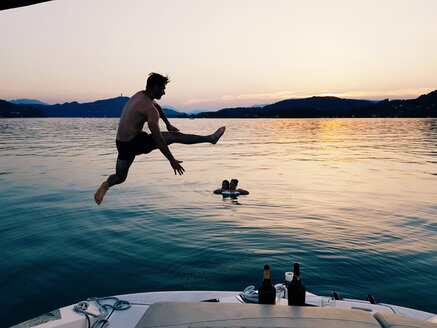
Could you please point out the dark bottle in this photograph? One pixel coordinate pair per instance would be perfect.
(296, 289)
(266, 292)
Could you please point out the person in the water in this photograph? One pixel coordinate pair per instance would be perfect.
(233, 188)
(131, 140)
(225, 187)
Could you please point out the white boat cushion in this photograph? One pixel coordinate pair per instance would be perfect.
(202, 315)
(390, 320)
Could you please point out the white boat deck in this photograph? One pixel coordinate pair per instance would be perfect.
(140, 303)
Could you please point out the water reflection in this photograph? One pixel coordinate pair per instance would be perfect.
(352, 199)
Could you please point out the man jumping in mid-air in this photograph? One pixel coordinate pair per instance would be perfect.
(132, 140)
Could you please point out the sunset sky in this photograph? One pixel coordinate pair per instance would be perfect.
(219, 54)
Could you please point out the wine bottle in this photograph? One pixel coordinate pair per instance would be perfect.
(266, 292)
(296, 289)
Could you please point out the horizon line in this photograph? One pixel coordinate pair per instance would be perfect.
(275, 97)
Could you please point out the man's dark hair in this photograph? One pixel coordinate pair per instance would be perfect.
(225, 182)
(156, 79)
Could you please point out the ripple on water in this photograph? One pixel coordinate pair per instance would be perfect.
(353, 200)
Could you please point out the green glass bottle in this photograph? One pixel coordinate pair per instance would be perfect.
(266, 292)
(296, 289)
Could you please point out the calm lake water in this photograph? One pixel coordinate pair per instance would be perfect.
(353, 200)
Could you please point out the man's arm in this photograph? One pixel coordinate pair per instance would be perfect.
(153, 123)
(170, 127)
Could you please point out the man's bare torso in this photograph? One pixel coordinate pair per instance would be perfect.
(133, 116)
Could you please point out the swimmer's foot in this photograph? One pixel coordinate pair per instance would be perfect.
(217, 135)
(100, 193)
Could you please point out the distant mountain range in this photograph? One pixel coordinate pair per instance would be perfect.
(100, 108)
(8, 109)
(423, 106)
(27, 102)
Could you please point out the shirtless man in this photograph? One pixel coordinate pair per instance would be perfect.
(131, 140)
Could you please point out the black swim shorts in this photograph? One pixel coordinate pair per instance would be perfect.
(140, 144)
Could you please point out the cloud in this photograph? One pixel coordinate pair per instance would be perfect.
(388, 94)
(247, 98)
(272, 97)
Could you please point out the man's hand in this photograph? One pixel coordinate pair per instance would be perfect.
(175, 164)
(171, 128)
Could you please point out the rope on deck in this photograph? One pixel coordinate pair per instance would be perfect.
(104, 310)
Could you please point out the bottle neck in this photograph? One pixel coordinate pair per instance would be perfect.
(296, 270)
(267, 275)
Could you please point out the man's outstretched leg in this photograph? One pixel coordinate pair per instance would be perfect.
(189, 139)
(123, 166)
(121, 170)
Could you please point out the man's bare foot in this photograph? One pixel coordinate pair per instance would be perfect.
(100, 193)
(217, 135)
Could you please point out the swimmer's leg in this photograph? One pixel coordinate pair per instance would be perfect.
(177, 137)
(121, 170)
